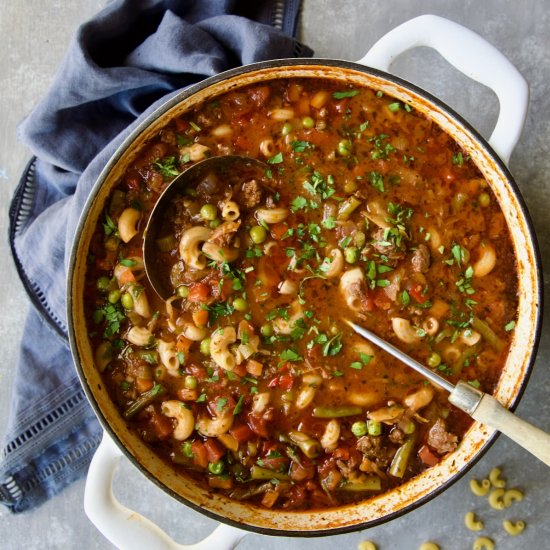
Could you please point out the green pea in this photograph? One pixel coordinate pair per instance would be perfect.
(484, 200)
(434, 360)
(359, 238)
(374, 427)
(208, 212)
(183, 291)
(409, 427)
(308, 122)
(359, 428)
(351, 254)
(127, 301)
(286, 129)
(190, 382)
(216, 468)
(344, 147)
(205, 346)
(240, 304)
(258, 234)
(267, 330)
(114, 296)
(187, 449)
(103, 284)
(214, 223)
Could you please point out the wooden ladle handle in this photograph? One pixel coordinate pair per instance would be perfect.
(489, 411)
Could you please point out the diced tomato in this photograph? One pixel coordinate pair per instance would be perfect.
(200, 457)
(275, 463)
(341, 453)
(198, 371)
(286, 381)
(214, 450)
(240, 370)
(259, 95)
(258, 425)
(278, 230)
(181, 125)
(241, 433)
(198, 292)
(132, 180)
(427, 456)
(368, 303)
(417, 294)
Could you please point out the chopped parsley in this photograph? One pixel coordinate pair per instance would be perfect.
(276, 159)
(290, 355)
(109, 226)
(510, 326)
(301, 146)
(167, 167)
(342, 95)
(377, 181)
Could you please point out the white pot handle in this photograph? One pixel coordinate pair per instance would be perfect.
(127, 529)
(471, 55)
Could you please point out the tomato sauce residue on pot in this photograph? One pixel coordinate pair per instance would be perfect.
(247, 378)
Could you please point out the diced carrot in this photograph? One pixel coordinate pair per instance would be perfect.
(198, 292)
(270, 498)
(241, 433)
(219, 482)
(183, 343)
(427, 456)
(254, 368)
(214, 450)
(200, 317)
(126, 276)
(144, 384)
(200, 457)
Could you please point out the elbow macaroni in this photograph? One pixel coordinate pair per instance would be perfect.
(189, 245)
(220, 341)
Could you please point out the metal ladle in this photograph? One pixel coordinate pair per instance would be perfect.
(480, 406)
(221, 167)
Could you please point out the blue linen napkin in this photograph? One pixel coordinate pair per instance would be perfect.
(121, 65)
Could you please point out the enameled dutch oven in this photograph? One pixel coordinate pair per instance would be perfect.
(474, 57)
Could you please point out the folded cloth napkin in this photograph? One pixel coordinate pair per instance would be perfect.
(121, 65)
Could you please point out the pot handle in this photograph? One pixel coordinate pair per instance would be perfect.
(473, 56)
(127, 529)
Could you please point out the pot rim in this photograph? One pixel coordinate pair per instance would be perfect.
(182, 95)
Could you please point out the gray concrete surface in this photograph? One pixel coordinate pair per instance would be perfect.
(35, 34)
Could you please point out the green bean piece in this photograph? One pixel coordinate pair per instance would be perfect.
(258, 234)
(240, 304)
(351, 254)
(371, 483)
(401, 459)
(347, 207)
(488, 333)
(190, 382)
(103, 284)
(208, 212)
(216, 468)
(359, 428)
(309, 446)
(257, 472)
(114, 296)
(183, 291)
(205, 346)
(374, 427)
(167, 243)
(464, 358)
(187, 449)
(127, 301)
(336, 412)
(143, 400)
(308, 122)
(344, 148)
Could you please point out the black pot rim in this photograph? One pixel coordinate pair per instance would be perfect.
(280, 63)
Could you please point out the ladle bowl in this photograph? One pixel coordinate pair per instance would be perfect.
(221, 167)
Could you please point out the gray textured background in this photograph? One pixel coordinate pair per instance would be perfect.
(35, 34)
